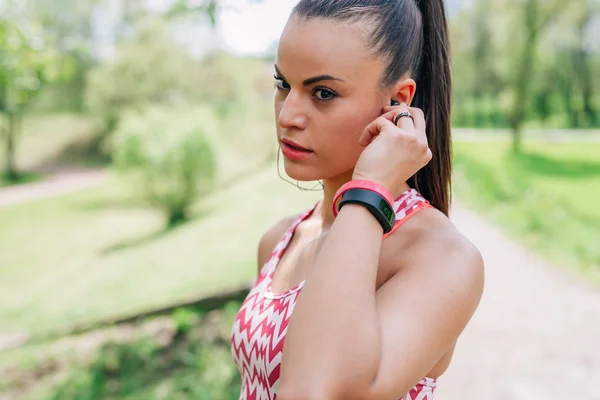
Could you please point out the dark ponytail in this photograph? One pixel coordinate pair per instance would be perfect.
(412, 37)
(434, 97)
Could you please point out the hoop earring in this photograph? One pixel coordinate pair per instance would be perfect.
(316, 188)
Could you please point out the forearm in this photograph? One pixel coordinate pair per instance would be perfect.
(333, 340)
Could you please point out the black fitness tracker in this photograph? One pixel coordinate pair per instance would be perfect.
(376, 204)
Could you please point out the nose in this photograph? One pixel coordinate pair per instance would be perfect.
(292, 113)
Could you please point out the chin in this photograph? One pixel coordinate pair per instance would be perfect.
(305, 173)
(301, 173)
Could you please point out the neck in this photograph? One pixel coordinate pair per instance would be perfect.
(330, 188)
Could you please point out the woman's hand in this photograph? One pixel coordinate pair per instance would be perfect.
(393, 153)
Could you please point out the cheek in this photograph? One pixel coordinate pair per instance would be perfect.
(347, 127)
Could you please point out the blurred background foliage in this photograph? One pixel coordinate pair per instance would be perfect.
(182, 132)
(170, 153)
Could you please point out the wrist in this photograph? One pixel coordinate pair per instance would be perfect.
(363, 217)
(364, 184)
(374, 198)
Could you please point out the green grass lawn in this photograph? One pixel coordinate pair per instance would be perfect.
(99, 253)
(547, 196)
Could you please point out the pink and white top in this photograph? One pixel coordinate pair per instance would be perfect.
(261, 323)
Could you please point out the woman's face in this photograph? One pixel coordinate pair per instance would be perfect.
(327, 92)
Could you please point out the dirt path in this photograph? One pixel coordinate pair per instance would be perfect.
(59, 181)
(536, 335)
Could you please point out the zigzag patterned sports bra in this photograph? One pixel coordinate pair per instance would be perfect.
(261, 323)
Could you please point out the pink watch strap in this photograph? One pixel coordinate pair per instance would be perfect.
(362, 184)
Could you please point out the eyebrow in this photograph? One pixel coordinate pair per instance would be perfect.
(314, 79)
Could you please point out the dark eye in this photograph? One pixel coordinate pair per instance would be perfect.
(281, 84)
(324, 94)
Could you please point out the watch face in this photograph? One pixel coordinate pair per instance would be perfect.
(387, 210)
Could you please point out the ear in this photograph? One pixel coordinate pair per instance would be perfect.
(404, 91)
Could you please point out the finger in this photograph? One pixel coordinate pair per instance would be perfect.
(417, 113)
(395, 108)
(391, 116)
(420, 125)
(387, 108)
(406, 123)
(391, 112)
(417, 125)
(419, 117)
(374, 129)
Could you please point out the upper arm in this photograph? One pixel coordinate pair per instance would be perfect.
(270, 238)
(422, 311)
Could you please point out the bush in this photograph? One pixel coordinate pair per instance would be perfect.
(188, 367)
(143, 370)
(185, 320)
(170, 155)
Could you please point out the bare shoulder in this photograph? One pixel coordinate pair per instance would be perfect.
(429, 245)
(270, 238)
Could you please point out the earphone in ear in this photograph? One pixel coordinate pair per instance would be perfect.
(394, 102)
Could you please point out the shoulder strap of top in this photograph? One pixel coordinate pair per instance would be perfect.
(283, 243)
(407, 205)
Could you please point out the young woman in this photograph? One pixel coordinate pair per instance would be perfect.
(380, 282)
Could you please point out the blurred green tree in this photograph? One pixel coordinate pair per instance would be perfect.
(526, 62)
(170, 154)
(209, 8)
(26, 65)
(582, 13)
(67, 27)
(532, 20)
(476, 68)
(148, 68)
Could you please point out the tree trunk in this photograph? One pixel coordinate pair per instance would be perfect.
(565, 87)
(588, 108)
(517, 136)
(525, 71)
(585, 78)
(522, 88)
(10, 169)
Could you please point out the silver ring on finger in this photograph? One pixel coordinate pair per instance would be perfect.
(402, 115)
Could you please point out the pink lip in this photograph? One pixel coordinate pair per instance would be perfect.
(294, 144)
(294, 153)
